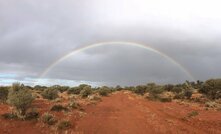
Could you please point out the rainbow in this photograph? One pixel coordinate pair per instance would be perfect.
(121, 43)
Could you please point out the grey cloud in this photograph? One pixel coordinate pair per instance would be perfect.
(34, 34)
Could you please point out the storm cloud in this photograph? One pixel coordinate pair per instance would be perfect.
(34, 34)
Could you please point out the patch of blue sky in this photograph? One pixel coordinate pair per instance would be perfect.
(50, 82)
(5, 81)
(7, 75)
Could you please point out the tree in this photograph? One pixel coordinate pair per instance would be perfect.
(212, 88)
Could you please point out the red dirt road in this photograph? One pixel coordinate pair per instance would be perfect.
(121, 113)
(126, 113)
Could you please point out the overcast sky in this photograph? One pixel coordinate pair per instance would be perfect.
(34, 34)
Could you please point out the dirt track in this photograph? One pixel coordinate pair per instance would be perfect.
(121, 113)
(125, 113)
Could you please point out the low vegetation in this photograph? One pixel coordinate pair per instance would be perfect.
(104, 91)
(66, 98)
(9, 116)
(48, 119)
(3, 94)
(59, 108)
(73, 105)
(50, 93)
(64, 124)
(192, 114)
(20, 98)
(86, 91)
(212, 88)
(32, 115)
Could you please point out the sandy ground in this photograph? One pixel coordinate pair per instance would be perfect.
(123, 113)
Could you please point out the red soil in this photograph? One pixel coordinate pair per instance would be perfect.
(126, 113)
(122, 113)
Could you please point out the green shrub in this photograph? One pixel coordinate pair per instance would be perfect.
(64, 124)
(156, 90)
(39, 88)
(50, 94)
(118, 88)
(74, 90)
(32, 115)
(188, 94)
(141, 89)
(59, 108)
(78, 89)
(177, 90)
(168, 87)
(3, 94)
(86, 91)
(212, 88)
(104, 91)
(73, 105)
(179, 96)
(48, 119)
(153, 97)
(59, 88)
(158, 97)
(9, 116)
(20, 98)
(131, 88)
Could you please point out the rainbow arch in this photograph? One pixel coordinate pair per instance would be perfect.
(121, 43)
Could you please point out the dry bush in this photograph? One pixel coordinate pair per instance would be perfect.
(20, 98)
(73, 105)
(86, 91)
(58, 108)
(64, 124)
(32, 115)
(50, 94)
(3, 94)
(48, 119)
(212, 88)
(192, 114)
(104, 91)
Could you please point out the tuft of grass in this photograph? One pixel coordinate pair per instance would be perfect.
(59, 108)
(64, 124)
(48, 119)
(73, 105)
(32, 115)
(192, 114)
(165, 99)
(211, 104)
